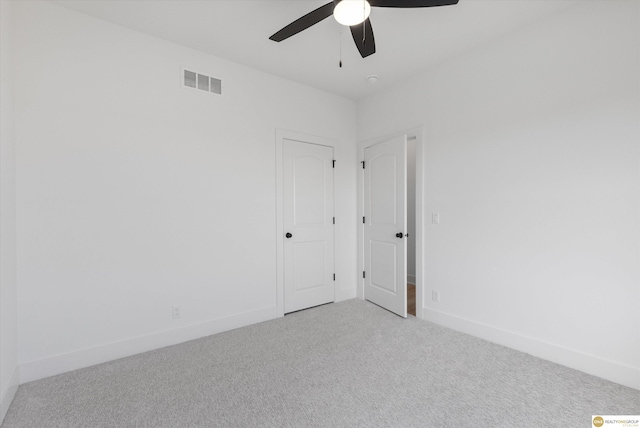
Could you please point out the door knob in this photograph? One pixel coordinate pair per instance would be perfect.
(288, 235)
(399, 235)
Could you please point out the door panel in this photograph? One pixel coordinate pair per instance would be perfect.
(308, 218)
(385, 190)
(309, 196)
(384, 179)
(308, 264)
(383, 273)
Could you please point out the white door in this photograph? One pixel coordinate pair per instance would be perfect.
(385, 207)
(308, 225)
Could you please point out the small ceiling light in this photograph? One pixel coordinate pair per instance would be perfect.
(352, 12)
(372, 79)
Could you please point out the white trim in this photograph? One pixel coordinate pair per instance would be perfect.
(591, 364)
(9, 393)
(347, 294)
(411, 279)
(420, 186)
(419, 133)
(281, 135)
(39, 369)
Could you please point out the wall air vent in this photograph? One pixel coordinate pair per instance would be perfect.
(195, 80)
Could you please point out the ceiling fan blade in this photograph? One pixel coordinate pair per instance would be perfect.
(411, 3)
(363, 37)
(303, 23)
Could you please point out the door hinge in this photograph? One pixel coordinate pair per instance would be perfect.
(363, 274)
(362, 164)
(334, 220)
(363, 222)
(334, 276)
(334, 163)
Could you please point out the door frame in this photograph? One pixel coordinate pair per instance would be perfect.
(419, 134)
(281, 135)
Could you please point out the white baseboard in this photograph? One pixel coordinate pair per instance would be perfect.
(597, 366)
(411, 279)
(8, 393)
(345, 294)
(58, 364)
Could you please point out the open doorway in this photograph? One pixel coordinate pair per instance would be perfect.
(411, 225)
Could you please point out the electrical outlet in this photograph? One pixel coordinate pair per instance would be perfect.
(175, 312)
(435, 218)
(435, 296)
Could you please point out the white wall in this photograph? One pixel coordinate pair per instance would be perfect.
(8, 306)
(532, 160)
(135, 194)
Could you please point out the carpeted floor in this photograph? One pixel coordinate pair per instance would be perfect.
(340, 365)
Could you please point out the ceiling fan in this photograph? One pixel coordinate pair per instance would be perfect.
(355, 14)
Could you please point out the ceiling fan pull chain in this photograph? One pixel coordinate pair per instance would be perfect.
(364, 23)
(340, 42)
(364, 33)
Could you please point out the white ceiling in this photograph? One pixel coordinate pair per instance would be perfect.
(407, 40)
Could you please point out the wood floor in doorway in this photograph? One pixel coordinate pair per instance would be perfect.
(411, 299)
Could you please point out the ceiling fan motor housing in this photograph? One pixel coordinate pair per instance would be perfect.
(351, 12)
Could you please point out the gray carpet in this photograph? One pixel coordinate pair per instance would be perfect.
(341, 365)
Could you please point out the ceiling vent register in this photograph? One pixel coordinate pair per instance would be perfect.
(192, 79)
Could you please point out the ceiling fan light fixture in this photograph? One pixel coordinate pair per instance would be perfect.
(352, 12)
